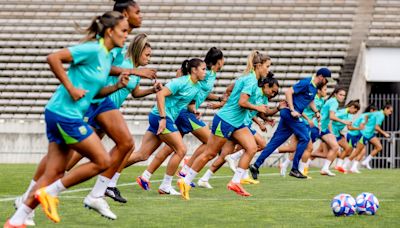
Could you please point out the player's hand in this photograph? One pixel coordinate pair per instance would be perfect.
(295, 114)
(146, 73)
(262, 109)
(311, 123)
(348, 123)
(76, 93)
(158, 86)
(282, 104)
(263, 127)
(318, 115)
(179, 73)
(362, 126)
(123, 80)
(270, 122)
(198, 115)
(214, 105)
(161, 126)
(386, 135)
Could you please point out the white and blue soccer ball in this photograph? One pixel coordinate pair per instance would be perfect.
(367, 204)
(343, 205)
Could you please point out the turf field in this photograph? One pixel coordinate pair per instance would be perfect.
(276, 201)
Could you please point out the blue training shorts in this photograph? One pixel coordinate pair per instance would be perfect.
(222, 128)
(154, 123)
(187, 122)
(353, 139)
(96, 109)
(62, 130)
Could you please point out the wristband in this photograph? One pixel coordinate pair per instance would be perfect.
(163, 117)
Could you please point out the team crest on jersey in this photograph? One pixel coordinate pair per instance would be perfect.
(82, 130)
(99, 68)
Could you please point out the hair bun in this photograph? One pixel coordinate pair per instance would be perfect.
(270, 74)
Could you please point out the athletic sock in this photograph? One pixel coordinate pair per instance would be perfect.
(190, 176)
(207, 176)
(238, 175)
(367, 159)
(346, 163)
(20, 215)
(302, 165)
(146, 175)
(55, 188)
(236, 156)
(167, 181)
(246, 174)
(308, 163)
(114, 180)
(276, 151)
(339, 162)
(286, 163)
(327, 163)
(100, 187)
(28, 190)
(355, 165)
(185, 169)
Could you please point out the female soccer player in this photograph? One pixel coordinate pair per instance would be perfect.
(187, 122)
(328, 114)
(298, 98)
(373, 124)
(345, 114)
(229, 146)
(90, 65)
(177, 95)
(228, 122)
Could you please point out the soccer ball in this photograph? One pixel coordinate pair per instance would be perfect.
(367, 204)
(343, 205)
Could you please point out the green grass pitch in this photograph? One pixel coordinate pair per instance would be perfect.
(276, 201)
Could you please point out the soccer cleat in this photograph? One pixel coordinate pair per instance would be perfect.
(184, 189)
(296, 173)
(100, 205)
(180, 174)
(49, 204)
(249, 181)
(115, 194)
(8, 225)
(231, 162)
(254, 172)
(168, 190)
(145, 184)
(327, 173)
(204, 184)
(305, 173)
(238, 189)
(29, 220)
(355, 171)
(366, 165)
(340, 169)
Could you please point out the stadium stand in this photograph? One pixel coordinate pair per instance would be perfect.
(299, 37)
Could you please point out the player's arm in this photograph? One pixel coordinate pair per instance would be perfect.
(380, 130)
(138, 93)
(142, 72)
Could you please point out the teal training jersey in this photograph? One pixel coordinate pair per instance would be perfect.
(231, 112)
(359, 121)
(89, 70)
(319, 102)
(343, 114)
(330, 105)
(257, 98)
(376, 118)
(119, 96)
(183, 92)
(206, 86)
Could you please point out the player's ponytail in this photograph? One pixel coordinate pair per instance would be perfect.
(371, 108)
(255, 58)
(188, 65)
(100, 24)
(269, 80)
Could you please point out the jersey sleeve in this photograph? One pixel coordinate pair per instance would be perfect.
(174, 85)
(118, 56)
(83, 52)
(249, 88)
(301, 86)
(379, 119)
(333, 106)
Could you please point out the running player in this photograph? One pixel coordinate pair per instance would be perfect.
(87, 74)
(228, 122)
(187, 122)
(298, 98)
(177, 95)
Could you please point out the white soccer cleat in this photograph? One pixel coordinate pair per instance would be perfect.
(29, 220)
(168, 190)
(355, 171)
(204, 184)
(366, 165)
(231, 162)
(327, 173)
(100, 205)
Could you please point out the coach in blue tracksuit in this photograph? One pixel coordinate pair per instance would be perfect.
(298, 98)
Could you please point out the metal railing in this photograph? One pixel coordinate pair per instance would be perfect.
(389, 157)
